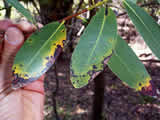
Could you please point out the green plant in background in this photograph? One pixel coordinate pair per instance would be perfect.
(100, 45)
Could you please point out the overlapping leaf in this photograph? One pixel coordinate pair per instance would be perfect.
(22, 10)
(94, 48)
(38, 53)
(145, 24)
(134, 1)
(125, 64)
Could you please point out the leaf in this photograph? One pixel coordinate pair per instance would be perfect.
(134, 1)
(125, 64)
(94, 48)
(146, 26)
(158, 1)
(22, 10)
(38, 53)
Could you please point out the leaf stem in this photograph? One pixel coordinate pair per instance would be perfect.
(85, 10)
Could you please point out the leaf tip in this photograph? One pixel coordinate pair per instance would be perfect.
(150, 89)
(144, 84)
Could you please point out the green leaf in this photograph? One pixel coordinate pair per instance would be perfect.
(125, 64)
(158, 1)
(38, 53)
(146, 26)
(94, 48)
(22, 10)
(134, 1)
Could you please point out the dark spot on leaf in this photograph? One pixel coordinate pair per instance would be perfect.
(63, 30)
(94, 67)
(106, 59)
(30, 40)
(73, 75)
(149, 90)
(49, 63)
(57, 51)
(26, 75)
(20, 82)
(63, 41)
(140, 84)
(106, 11)
(83, 75)
(20, 65)
(47, 58)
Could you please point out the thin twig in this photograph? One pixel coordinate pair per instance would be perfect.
(3, 8)
(85, 10)
(151, 60)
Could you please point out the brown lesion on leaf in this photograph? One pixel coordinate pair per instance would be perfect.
(92, 73)
(150, 90)
(63, 30)
(19, 82)
(51, 59)
(29, 41)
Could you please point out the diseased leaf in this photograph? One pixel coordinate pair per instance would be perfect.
(146, 26)
(94, 48)
(126, 65)
(22, 10)
(38, 53)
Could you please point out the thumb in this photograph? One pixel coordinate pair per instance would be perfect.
(14, 39)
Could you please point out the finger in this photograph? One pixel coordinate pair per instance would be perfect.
(39, 25)
(25, 26)
(13, 41)
(4, 24)
(36, 86)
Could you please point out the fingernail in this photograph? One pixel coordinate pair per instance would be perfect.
(14, 36)
(25, 26)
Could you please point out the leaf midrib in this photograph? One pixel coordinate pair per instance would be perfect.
(47, 41)
(140, 20)
(98, 38)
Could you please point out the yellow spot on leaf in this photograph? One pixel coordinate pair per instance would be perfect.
(145, 84)
(18, 70)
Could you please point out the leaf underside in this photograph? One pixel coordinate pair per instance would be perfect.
(38, 53)
(94, 48)
(126, 65)
(147, 27)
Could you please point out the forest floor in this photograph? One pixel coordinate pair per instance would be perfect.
(120, 101)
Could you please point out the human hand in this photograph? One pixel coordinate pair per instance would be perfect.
(25, 103)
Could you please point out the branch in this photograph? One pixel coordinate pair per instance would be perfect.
(151, 60)
(85, 10)
(3, 8)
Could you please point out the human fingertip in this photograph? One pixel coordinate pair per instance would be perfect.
(14, 36)
(39, 25)
(25, 26)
